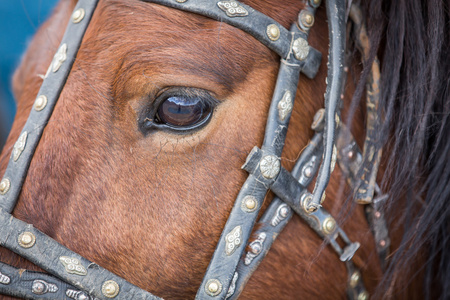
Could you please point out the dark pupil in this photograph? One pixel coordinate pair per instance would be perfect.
(182, 111)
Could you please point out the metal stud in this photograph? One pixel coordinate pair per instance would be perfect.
(78, 15)
(354, 279)
(233, 240)
(40, 287)
(40, 103)
(232, 287)
(4, 279)
(306, 19)
(110, 289)
(281, 214)
(285, 106)
(307, 171)
(59, 58)
(73, 265)
(300, 48)
(213, 287)
(273, 32)
(364, 295)
(255, 248)
(329, 225)
(26, 239)
(315, 3)
(232, 8)
(270, 166)
(181, 1)
(77, 295)
(5, 184)
(249, 204)
(19, 146)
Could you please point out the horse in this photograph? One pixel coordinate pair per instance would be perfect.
(144, 193)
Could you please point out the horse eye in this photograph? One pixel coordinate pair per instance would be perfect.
(182, 111)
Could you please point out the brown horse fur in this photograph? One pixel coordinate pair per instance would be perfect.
(151, 207)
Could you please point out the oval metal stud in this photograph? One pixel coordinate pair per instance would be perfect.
(364, 295)
(273, 32)
(213, 287)
(329, 225)
(78, 15)
(306, 19)
(40, 103)
(354, 279)
(181, 1)
(110, 289)
(26, 239)
(269, 166)
(4, 279)
(5, 184)
(300, 48)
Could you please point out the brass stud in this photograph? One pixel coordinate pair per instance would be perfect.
(354, 279)
(5, 184)
(40, 103)
(213, 287)
(273, 32)
(78, 15)
(306, 19)
(110, 289)
(315, 3)
(249, 204)
(363, 295)
(329, 225)
(26, 239)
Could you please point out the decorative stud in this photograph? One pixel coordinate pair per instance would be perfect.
(110, 289)
(249, 204)
(377, 214)
(40, 287)
(77, 295)
(181, 1)
(5, 184)
(300, 48)
(306, 19)
(59, 58)
(232, 8)
(255, 248)
(78, 15)
(233, 240)
(273, 32)
(213, 287)
(4, 279)
(232, 287)
(40, 103)
(354, 279)
(73, 266)
(26, 239)
(285, 106)
(364, 295)
(307, 171)
(307, 204)
(19, 146)
(269, 166)
(328, 225)
(318, 122)
(281, 214)
(315, 3)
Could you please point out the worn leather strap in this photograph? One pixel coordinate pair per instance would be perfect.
(335, 76)
(51, 88)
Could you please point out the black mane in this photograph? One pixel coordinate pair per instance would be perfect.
(411, 37)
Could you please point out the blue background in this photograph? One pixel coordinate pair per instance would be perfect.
(19, 20)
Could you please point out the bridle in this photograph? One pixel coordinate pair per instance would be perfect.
(74, 277)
